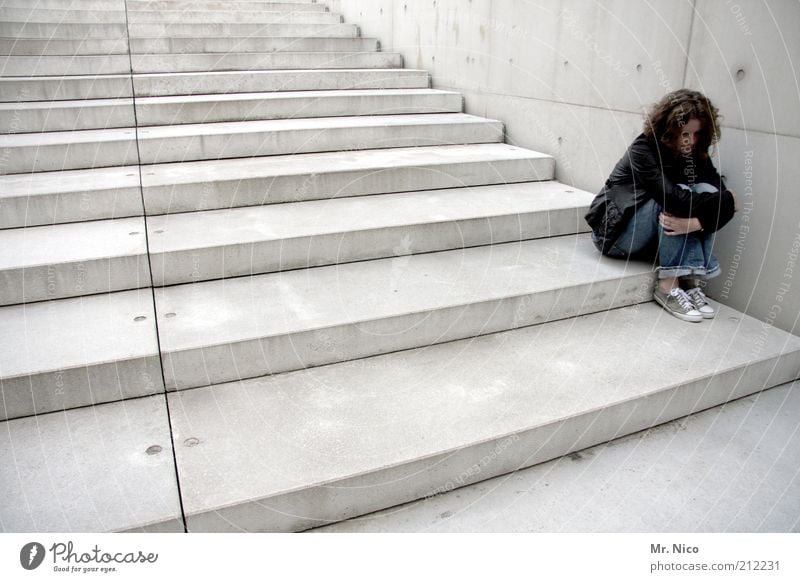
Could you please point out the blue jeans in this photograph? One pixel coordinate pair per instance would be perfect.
(687, 255)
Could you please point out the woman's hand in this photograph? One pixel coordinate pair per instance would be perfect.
(674, 225)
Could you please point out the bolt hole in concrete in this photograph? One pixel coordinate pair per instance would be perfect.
(134, 232)
(157, 231)
(170, 314)
(154, 450)
(740, 74)
(191, 442)
(639, 68)
(139, 318)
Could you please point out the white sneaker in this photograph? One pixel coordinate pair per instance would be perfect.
(678, 303)
(701, 303)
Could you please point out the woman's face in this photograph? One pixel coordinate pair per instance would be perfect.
(689, 136)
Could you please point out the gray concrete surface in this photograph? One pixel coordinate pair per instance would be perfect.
(159, 84)
(100, 469)
(179, 109)
(278, 60)
(170, 188)
(731, 468)
(69, 196)
(296, 319)
(199, 246)
(69, 260)
(321, 443)
(75, 352)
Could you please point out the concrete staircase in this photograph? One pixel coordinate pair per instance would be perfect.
(243, 245)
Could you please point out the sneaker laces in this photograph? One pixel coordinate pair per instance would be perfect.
(697, 296)
(683, 299)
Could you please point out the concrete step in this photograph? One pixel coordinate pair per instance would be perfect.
(62, 15)
(134, 5)
(175, 110)
(319, 446)
(102, 469)
(33, 46)
(69, 196)
(70, 260)
(199, 30)
(26, 89)
(40, 66)
(43, 116)
(63, 30)
(729, 468)
(16, 89)
(201, 246)
(225, 16)
(245, 44)
(62, 4)
(182, 63)
(65, 150)
(78, 195)
(68, 353)
(190, 186)
(205, 83)
(220, 331)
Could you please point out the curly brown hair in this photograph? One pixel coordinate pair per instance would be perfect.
(666, 118)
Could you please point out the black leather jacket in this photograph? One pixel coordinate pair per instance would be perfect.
(650, 170)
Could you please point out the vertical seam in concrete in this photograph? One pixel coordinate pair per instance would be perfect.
(150, 270)
(689, 43)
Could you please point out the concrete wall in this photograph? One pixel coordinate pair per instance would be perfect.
(572, 78)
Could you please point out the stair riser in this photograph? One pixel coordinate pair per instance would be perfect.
(167, 199)
(60, 89)
(65, 389)
(33, 66)
(230, 362)
(188, 63)
(74, 4)
(152, 150)
(296, 107)
(137, 5)
(199, 84)
(265, 257)
(46, 282)
(421, 479)
(67, 30)
(26, 46)
(42, 209)
(25, 159)
(91, 115)
(53, 15)
(142, 30)
(82, 116)
(254, 45)
(231, 17)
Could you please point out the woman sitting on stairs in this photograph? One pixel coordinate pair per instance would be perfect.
(665, 200)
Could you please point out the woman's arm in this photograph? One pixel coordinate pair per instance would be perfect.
(712, 209)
